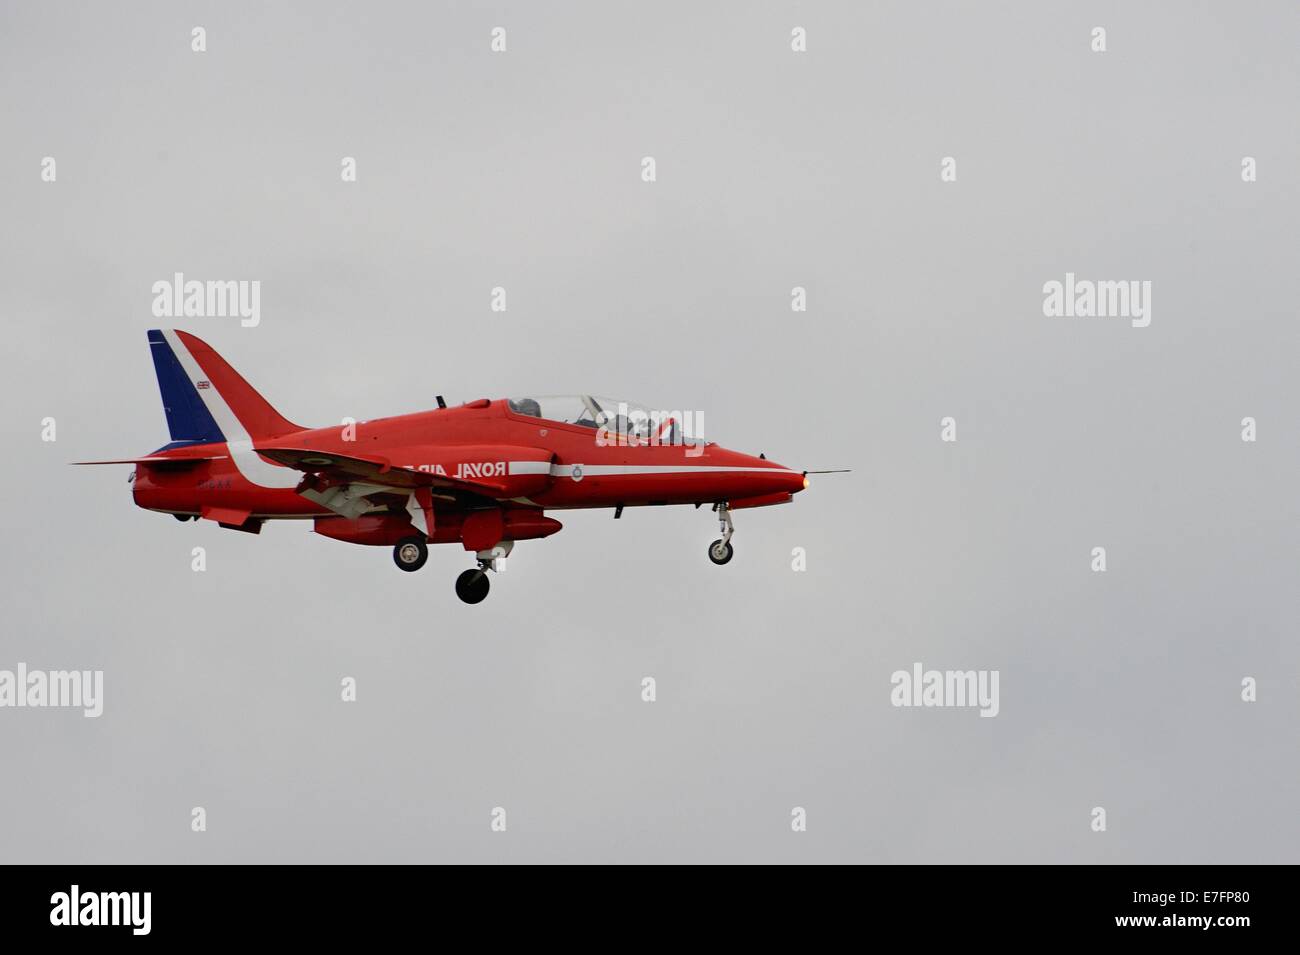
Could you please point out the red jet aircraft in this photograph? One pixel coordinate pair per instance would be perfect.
(481, 474)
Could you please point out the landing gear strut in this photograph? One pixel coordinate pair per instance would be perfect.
(410, 553)
(721, 551)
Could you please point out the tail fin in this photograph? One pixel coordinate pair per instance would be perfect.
(206, 400)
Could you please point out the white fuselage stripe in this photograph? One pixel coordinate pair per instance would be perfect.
(603, 470)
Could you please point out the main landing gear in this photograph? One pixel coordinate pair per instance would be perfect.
(410, 553)
(721, 551)
(472, 586)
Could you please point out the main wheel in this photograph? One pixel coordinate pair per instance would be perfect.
(472, 586)
(720, 551)
(410, 553)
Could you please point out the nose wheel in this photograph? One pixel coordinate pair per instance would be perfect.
(721, 551)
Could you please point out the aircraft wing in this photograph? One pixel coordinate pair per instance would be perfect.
(372, 471)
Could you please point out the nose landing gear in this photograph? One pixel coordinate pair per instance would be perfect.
(721, 551)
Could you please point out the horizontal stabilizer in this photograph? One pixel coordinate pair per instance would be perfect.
(156, 459)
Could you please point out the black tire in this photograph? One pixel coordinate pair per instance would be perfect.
(410, 559)
(719, 552)
(181, 517)
(472, 586)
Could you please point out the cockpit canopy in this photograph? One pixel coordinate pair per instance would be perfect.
(581, 410)
(626, 418)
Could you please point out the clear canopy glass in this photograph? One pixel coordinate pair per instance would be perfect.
(627, 419)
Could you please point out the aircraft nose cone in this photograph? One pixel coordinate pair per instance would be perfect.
(786, 480)
(755, 478)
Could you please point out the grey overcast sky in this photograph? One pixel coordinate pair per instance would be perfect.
(775, 169)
